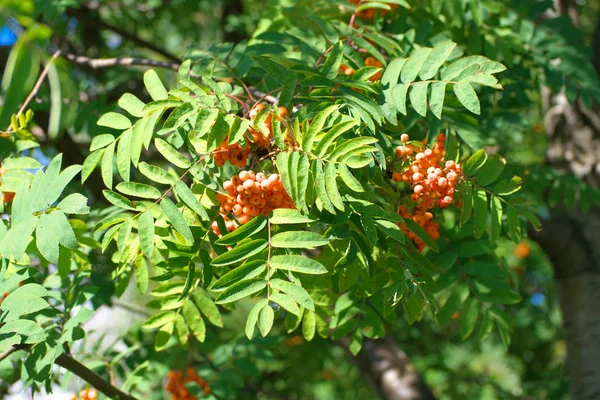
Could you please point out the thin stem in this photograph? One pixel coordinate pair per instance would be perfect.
(36, 88)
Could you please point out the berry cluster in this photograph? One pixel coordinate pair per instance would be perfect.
(237, 155)
(85, 394)
(250, 194)
(177, 381)
(432, 179)
(370, 13)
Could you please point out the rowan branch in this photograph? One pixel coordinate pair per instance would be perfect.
(77, 368)
(124, 61)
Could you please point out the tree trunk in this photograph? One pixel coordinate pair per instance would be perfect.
(389, 371)
(571, 237)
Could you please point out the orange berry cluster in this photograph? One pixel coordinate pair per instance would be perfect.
(370, 12)
(85, 394)
(433, 181)
(177, 381)
(238, 155)
(250, 194)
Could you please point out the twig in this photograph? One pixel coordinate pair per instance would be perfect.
(36, 88)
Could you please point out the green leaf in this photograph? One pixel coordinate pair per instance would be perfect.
(349, 179)
(118, 200)
(156, 174)
(298, 263)
(47, 238)
(146, 233)
(421, 234)
(114, 120)
(138, 190)
(253, 317)
(467, 208)
(155, 87)
(288, 89)
(207, 306)
(390, 229)
(298, 293)
(286, 302)
(64, 230)
(250, 228)
(160, 319)
(436, 98)
(317, 126)
(282, 216)
(132, 105)
(475, 163)
(298, 240)
(124, 155)
(194, 320)
(467, 96)
(501, 297)
(303, 177)
(491, 170)
(356, 341)
(29, 331)
(265, 320)
(414, 64)
(75, 203)
(452, 304)
(480, 212)
(176, 219)
(19, 303)
(171, 154)
(504, 188)
(399, 93)
(334, 60)
(319, 176)
(248, 270)
(436, 58)
(107, 165)
(240, 290)
(141, 275)
(496, 215)
(391, 74)
(218, 132)
(418, 97)
(189, 199)
(331, 186)
(486, 325)
(468, 318)
(309, 325)
(240, 252)
(332, 135)
(349, 147)
(514, 225)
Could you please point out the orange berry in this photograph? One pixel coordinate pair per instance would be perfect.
(522, 250)
(404, 138)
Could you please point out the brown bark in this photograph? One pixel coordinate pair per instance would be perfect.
(389, 371)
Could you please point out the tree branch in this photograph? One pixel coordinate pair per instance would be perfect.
(124, 61)
(77, 368)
